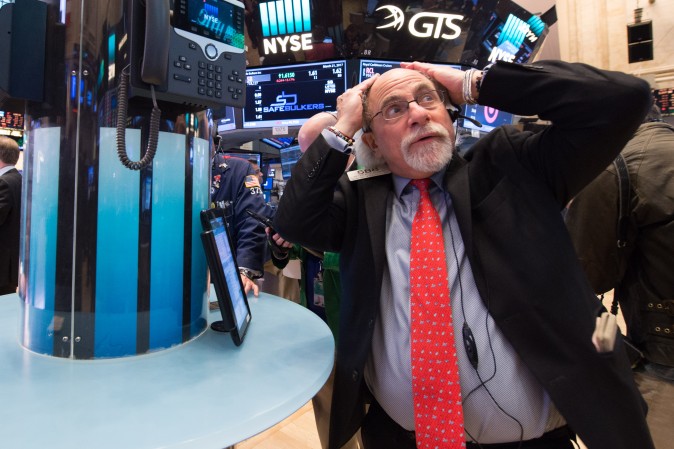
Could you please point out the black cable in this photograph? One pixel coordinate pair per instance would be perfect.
(483, 383)
(153, 138)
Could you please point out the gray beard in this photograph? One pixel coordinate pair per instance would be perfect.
(431, 157)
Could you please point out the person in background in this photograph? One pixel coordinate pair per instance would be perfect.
(274, 281)
(320, 271)
(320, 50)
(235, 187)
(10, 215)
(639, 269)
(257, 171)
(504, 358)
(321, 288)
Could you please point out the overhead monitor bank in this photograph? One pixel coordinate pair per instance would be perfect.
(470, 33)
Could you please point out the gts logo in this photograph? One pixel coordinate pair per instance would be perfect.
(423, 24)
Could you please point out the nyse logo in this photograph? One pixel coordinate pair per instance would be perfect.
(286, 25)
(513, 34)
(423, 24)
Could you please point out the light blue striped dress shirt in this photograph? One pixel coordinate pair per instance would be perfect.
(501, 374)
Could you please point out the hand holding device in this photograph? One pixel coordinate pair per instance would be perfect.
(280, 252)
(260, 219)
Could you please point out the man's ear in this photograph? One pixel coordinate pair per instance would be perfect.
(369, 140)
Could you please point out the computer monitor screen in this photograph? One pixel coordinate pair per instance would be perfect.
(247, 155)
(224, 270)
(664, 99)
(228, 121)
(289, 157)
(369, 67)
(278, 142)
(289, 95)
(489, 117)
(510, 33)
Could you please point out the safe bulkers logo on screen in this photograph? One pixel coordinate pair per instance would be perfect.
(287, 102)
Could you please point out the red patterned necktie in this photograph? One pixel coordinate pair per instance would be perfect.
(438, 413)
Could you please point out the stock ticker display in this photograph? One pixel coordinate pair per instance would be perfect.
(290, 95)
(664, 98)
(11, 120)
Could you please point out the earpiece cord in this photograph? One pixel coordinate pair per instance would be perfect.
(483, 383)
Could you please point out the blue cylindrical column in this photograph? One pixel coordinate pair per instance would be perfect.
(112, 263)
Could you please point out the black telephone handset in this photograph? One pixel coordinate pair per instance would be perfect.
(191, 51)
(154, 68)
(185, 55)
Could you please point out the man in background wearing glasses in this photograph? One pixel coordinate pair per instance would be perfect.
(522, 312)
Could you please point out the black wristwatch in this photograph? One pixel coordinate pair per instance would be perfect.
(250, 274)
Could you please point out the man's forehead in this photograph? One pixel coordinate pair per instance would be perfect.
(398, 79)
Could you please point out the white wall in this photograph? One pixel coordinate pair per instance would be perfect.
(595, 32)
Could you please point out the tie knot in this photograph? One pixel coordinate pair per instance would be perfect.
(421, 184)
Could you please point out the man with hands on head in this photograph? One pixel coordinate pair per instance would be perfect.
(522, 312)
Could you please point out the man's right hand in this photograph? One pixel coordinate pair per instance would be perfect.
(279, 246)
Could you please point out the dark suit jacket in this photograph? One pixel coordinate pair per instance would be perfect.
(10, 219)
(508, 199)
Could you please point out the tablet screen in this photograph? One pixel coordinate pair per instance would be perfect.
(224, 270)
(231, 272)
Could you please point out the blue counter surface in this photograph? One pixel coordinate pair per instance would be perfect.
(207, 393)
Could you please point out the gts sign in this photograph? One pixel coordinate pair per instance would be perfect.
(423, 24)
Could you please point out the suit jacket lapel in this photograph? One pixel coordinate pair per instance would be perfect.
(375, 193)
(456, 183)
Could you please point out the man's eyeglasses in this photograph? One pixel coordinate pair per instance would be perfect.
(396, 109)
(428, 100)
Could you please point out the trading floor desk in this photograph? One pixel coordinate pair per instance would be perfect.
(206, 393)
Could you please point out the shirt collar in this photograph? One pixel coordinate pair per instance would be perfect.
(399, 182)
(5, 169)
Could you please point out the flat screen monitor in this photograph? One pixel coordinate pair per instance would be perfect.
(11, 120)
(289, 95)
(228, 121)
(224, 270)
(510, 33)
(269, 173)
(367, 68)
(664, 99)
(247, 155)
(278, 142)
(489, 117)
(289, 157)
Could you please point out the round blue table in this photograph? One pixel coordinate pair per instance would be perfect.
(207, 393)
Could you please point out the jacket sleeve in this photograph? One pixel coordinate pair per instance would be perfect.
(250, 237)
(593, 113)
(312, 211)
(5, 200)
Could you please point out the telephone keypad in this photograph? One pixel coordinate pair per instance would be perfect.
(215, 80)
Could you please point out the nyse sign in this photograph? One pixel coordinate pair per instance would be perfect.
(286, 25)
(293, 42)
(424, 24)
